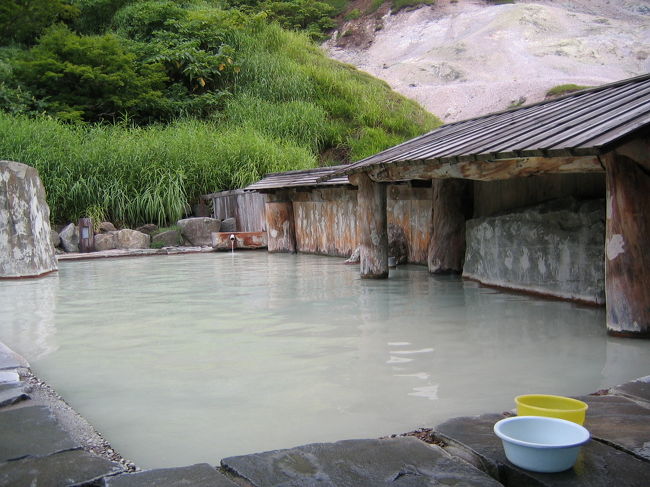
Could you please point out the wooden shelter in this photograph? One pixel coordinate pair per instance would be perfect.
(600, 130)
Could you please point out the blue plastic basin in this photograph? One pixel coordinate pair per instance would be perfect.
(541, 444)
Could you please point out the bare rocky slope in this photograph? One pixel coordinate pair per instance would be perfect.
(461, 59)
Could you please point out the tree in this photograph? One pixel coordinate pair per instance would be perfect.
(22, 21)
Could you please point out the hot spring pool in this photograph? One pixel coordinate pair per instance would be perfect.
(192, 358)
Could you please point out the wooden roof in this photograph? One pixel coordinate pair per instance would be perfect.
(302, 178)
(582, 123)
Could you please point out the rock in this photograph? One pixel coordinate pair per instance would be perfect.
(637, 389)
(398, 246)
(170, 238)
(149, 229)
(402, 461)
(31, 430)
(25, 237)
(620, 422)
(105, 227)
(473, 439)
(54, 237)
(131, 239)
(556, 248)
(198, 231)
(105, 241)
(70, 238)
(74, 467)
(199, 475)
(11, 394)
(228, 225)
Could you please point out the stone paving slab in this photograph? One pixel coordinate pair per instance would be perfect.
(620, 422)
(398, 462)
(133, 253)
(31, 430)
(12, 393)
(70, 467)
(598, 465)
(638, 389)
(199, 475)
(9, 359)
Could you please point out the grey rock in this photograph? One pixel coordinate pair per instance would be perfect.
(54, 237)
(105, 241)
(398, 246)
(105, 227)
(131, 239)
(148, 228)
(555, 248)
(598, 465)
(403, 461)
(169, 238)
(63, 468)
(25, 237)
(10, 359)
(638, 389)
(199, 475)
(12, 394)
(70, 238)
(33, 431)
(198, 231)
(620, 422)
(228, 225)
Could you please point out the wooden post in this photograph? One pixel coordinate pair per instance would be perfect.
(372, 227)
(447, 245)
(280, 227)
(627, 239)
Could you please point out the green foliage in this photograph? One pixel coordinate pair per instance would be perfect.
(402, 4)
(312, 16)
(22, 21)
(89, 78)
(565, 89)
(95, 16)
(353, 14)
(374, 6)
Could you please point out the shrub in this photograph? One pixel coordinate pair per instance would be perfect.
(565, 89)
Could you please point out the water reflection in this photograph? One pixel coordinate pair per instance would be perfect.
(184, 359)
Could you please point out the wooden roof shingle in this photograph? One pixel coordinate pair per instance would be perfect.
(581, 123)
(301, 178)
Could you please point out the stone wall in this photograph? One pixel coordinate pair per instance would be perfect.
(26, 248)
(555, 248)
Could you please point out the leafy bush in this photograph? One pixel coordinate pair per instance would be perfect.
(22, 21)
(353, 14)
(565, 89)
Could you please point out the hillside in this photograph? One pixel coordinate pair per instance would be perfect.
(464, 58)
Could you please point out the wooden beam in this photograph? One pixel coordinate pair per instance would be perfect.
(627, 233)
(486, 170)
(451, 199)
(280, 227)
(372, 227)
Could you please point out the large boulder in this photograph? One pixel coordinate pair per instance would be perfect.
(106, 227)
(54, 236)
(131, 239)
(69, 236)
(228, 225)
(105, 241)
(198, 231)
(25, 237)
(148, 228)
(169, 238)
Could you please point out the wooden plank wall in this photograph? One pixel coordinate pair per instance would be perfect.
(246, 208)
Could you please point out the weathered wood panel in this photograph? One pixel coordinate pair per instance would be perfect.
(326, 221)
(372, 227)
(246, 208)
(242, 240)
(492, 197)
(281, 234)
(451, 204)
(410, 209)
(627, 259)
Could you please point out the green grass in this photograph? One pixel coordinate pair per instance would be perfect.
(565, 89)
(290, 108)
(402, 4)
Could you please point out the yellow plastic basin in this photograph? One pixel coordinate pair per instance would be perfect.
(551, 406)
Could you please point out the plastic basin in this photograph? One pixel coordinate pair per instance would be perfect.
(551, 406)
(541, 444)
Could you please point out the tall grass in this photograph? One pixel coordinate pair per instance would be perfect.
(140, 175)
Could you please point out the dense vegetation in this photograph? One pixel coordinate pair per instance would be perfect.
(131, 109)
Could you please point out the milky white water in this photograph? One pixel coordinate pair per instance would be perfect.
(185, 359)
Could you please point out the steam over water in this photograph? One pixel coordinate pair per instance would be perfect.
(185, 359)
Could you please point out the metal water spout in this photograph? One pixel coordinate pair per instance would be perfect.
(232, 242)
